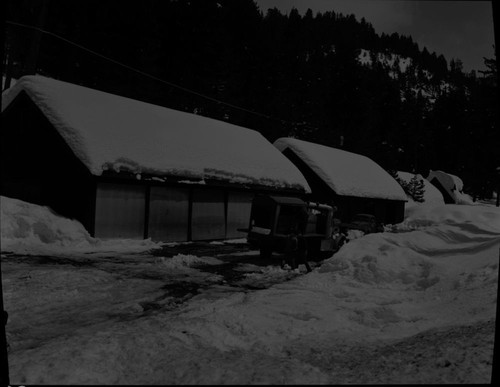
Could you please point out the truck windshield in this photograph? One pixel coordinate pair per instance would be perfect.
(288, 219)
(262, 216)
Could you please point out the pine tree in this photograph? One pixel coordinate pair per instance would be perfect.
(394, 174)
(416, 189)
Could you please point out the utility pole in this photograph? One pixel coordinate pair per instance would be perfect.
(4, 366)
(495, 377)
(498, 186)
(4, 362)
(30, 65)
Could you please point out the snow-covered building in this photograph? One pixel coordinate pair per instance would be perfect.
(450, 186)
(432, 195)
(129, 169)
(352, 182)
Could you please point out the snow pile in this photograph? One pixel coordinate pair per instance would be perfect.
(460, 196)
(431, 194)
(32, 229)
(109, 132)
(380, 286)
(346, 173)
(181, 261)
(483, 219)
(354, 234)
(238, 241)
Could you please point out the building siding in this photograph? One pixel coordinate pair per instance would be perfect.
(169, 214)
(120, 211)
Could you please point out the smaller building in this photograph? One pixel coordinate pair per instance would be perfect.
(432, 195)
(450, 186)
(352, 182)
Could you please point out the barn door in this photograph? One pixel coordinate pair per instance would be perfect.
(239, 205)
(168, 214)
(120, 211)
(208, 215)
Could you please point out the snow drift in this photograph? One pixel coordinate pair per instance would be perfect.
(28, 228)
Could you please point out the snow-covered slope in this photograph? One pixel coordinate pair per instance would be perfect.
(404, 68)
(107, 131)
(366, 57)
(346, 173)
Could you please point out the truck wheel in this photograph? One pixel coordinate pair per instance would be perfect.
(266, 252)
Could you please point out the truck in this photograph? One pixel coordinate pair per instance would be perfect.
(274, 218)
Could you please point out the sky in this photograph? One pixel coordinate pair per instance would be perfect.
(457, 29)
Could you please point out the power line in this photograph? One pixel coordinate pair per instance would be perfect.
(152, 76)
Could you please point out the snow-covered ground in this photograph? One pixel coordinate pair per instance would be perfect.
(415, 304)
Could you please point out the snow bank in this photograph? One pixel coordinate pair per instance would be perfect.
(438, 269)
(181, 261)
(109, 132)
(483, 219)
(346, 173)
(32, 229)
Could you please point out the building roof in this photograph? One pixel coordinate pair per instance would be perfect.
(453, 184)
(431, 194)
(110, 132)
(449, 181)
(346, 173)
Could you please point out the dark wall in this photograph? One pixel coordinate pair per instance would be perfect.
(37, 165)
(446, 195)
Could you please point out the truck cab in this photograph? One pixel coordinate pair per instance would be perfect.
(274, 218)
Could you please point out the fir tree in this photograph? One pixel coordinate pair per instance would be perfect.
(416, 189)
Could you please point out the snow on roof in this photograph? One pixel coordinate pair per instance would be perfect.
(448, 181)
(346, 173)
(453, 184)
(107, 131)
(431, 194)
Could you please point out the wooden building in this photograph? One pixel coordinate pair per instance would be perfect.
(128, 169)
(353, 183)
(450, 186)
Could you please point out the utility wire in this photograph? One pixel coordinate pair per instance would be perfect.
(152, 76)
